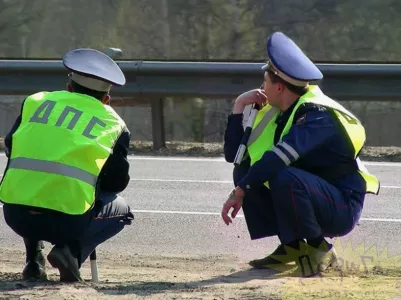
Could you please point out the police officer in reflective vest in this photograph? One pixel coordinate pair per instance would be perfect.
(67, 161)
(301, 178)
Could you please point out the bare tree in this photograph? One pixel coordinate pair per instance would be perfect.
(16, 17)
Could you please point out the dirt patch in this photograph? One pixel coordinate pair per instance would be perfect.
(124, 276)
(390, 154)
(179, 149)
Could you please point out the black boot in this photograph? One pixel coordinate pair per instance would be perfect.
(35, 268)
(62, 258)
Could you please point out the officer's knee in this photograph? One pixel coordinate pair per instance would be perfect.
(284, 179)
(113, 207)
(107, 197)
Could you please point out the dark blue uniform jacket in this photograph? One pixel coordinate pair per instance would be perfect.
(319, 139)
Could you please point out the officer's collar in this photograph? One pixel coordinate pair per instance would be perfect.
(287, 113)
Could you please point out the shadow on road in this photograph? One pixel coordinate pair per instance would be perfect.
(148, 288)
(12, 282)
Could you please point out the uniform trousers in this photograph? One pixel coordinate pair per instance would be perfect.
(299, 205)
(82, 233)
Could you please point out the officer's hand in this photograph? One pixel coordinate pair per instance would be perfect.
(233, 202)
(257, 96)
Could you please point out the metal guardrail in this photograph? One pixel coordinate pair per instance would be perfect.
(155, 80)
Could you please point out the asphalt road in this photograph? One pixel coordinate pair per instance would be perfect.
(177, 203)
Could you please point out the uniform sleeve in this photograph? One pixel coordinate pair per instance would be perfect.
(313, 126)
(233, 136)
(9, 137)
(114, 177)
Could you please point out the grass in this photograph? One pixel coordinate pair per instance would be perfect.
(378, 283)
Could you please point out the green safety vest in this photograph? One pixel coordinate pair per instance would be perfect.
(58, 151)
(262, 136)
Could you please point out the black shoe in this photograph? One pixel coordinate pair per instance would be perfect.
(127, 220)
(35, 262)
(66, 263)
(35, 269)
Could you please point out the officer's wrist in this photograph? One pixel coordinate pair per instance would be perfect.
(239, 107)
(239, 192)
(234, 196)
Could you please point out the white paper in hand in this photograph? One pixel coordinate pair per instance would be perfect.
(247, 112)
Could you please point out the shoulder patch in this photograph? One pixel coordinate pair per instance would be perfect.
(312, 107)
(300, 120)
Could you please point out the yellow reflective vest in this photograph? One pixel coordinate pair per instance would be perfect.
(262, 136)
(59, 150)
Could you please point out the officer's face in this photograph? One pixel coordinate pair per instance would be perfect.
(272, 90)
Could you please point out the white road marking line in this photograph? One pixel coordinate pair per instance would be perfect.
(216, 181)
(199, 213)
(181, 180)
(172, 158)
(382, 164)
(219, 181)
(238, 216)
(391, 187)
(179, 212)
(381, 220)
(221, 159)
(165, 158)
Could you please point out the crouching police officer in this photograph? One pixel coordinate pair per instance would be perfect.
(67, 161)
(301, 178)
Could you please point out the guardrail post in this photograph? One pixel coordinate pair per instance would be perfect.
(158, 132)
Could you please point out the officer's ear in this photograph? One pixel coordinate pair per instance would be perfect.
(280, 87)
(106, 99)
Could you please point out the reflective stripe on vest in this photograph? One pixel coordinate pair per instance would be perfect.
(262, 125)
(263, 140)
(59, 150)
(30, 164)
